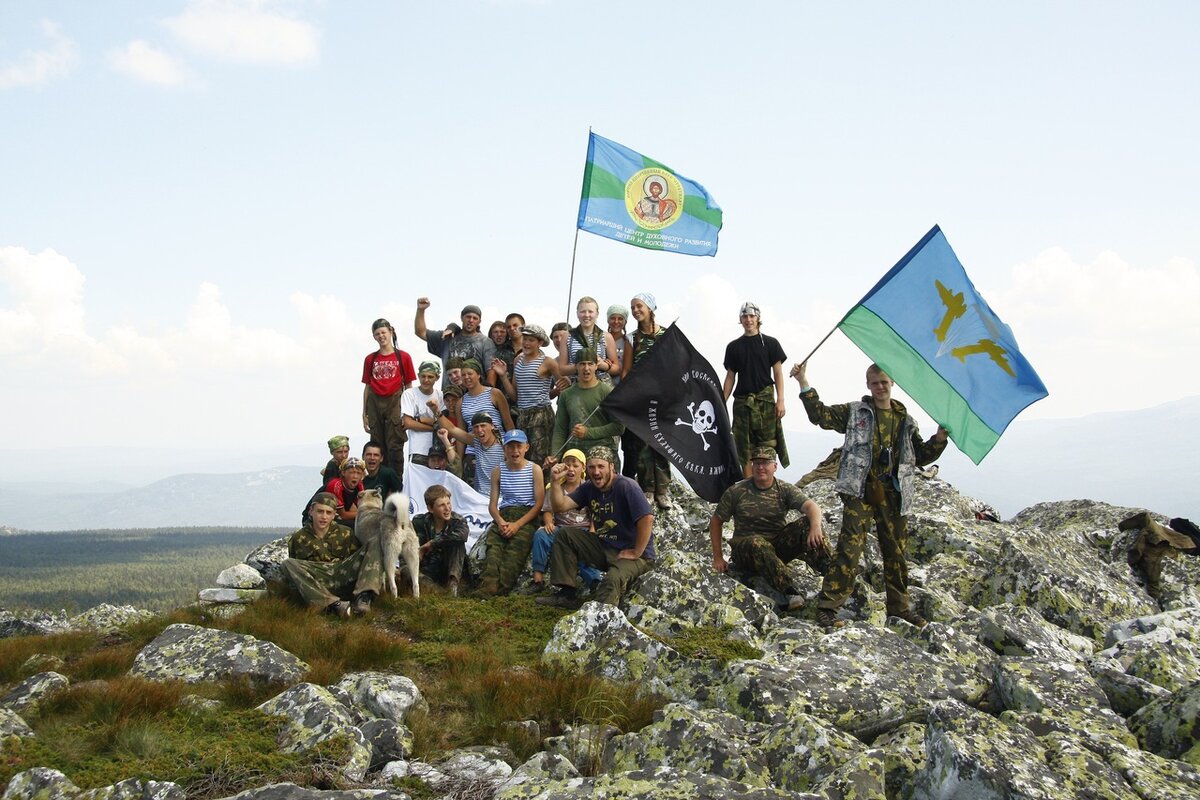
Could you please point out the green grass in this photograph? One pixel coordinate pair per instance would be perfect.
(477, 663)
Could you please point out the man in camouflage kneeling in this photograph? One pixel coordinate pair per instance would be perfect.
(763, 540)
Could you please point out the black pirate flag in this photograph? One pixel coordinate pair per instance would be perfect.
(672, 400)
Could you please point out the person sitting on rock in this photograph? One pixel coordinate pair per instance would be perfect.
(443, 537)
(552, 523)
(875, 481)
(623, 542)
(1156, 542)
(329, 566)
(763, 540)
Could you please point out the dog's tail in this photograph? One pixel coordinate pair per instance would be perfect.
(397, 505)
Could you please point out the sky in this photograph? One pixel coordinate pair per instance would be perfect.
(206, 202)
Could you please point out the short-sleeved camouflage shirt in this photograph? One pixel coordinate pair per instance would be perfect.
(759, 511)
(335, 545)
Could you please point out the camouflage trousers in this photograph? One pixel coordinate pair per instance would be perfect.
(385, 421)
(755, 424)
(653, 469)
(445, 561)
(505, 558)
(755, 554)
(891, 529)
(538, 424)
(574, 547)
(321, 583)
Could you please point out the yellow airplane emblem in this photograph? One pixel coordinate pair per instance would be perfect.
(985, 347)
(955, 308)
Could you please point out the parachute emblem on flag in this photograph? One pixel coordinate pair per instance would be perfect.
(975, 335)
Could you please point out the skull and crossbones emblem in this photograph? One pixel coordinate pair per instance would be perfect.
(703, 420)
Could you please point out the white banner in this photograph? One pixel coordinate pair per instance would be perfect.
(466, 502)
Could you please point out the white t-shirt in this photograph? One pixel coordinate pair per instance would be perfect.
(413, 404)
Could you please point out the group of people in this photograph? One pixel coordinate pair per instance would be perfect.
(527, 430)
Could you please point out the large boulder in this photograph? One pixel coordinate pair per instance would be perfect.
(40, 783)
(26, 696)
(12, 724)
(107, 618)
(314, 716)
(33, 623)
(381, 694)
(193, 654)
(1170, 726)
(267, 559)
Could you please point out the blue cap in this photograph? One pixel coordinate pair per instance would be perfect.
(515, 436)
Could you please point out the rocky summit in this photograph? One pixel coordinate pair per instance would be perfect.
(1046, 672)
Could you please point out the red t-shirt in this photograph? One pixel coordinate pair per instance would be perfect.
(389, 374)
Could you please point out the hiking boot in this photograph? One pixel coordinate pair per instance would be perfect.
(339, 609)
(827, 619)
(560, 600)
(536, 587)
(662, 499)
(362, 603)
(911, 617)
(793, 602)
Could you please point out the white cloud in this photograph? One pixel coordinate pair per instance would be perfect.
(245, 31)
(141, 60)
(37, 67)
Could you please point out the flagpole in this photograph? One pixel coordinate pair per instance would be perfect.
(575, 246)
(818, 347)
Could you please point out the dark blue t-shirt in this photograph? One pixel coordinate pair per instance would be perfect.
(623, 503)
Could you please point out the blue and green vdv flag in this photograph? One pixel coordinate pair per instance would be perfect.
(928, 328)
(636, 200)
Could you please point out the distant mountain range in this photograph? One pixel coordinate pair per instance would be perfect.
(1145, 458)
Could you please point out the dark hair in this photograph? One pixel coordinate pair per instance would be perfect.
(374, 444)
(518, 316)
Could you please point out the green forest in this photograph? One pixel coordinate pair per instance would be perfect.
(157, 569)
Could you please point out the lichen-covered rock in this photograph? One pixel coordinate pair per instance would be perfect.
(1126, 693)
(864, 680)
(268, 559)
(1170, 726)
(708, 741)
(314, 716)
(1165, 656)
(106, 618)
(951, 643)
(860, 778)
(42, 662)
(803, 751)
(1183, 621)
(476, 764)
(25, 697)
(599, 640)
(240, 576)
(193, 654)
(136, 789)
(11, 724)
(663, 783)
(540, 766)
(381, 694)
(290, 791)
(40, 783)
(388, 740)
(32, 623)
(971, 754)
(1058, 696)
(582, 745)
(704, 586)
(687, 608)
(243, 596)
(903, 758)
(1154, 776)
(1085, 772)
(1016, 631)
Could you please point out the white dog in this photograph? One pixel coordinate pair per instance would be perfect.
(390, 526)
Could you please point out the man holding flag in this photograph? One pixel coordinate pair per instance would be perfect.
(875, 481)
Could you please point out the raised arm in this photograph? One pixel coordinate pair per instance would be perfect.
(419, 327)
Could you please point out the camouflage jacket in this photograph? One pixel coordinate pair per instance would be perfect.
(336, 544)
(860, 450)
